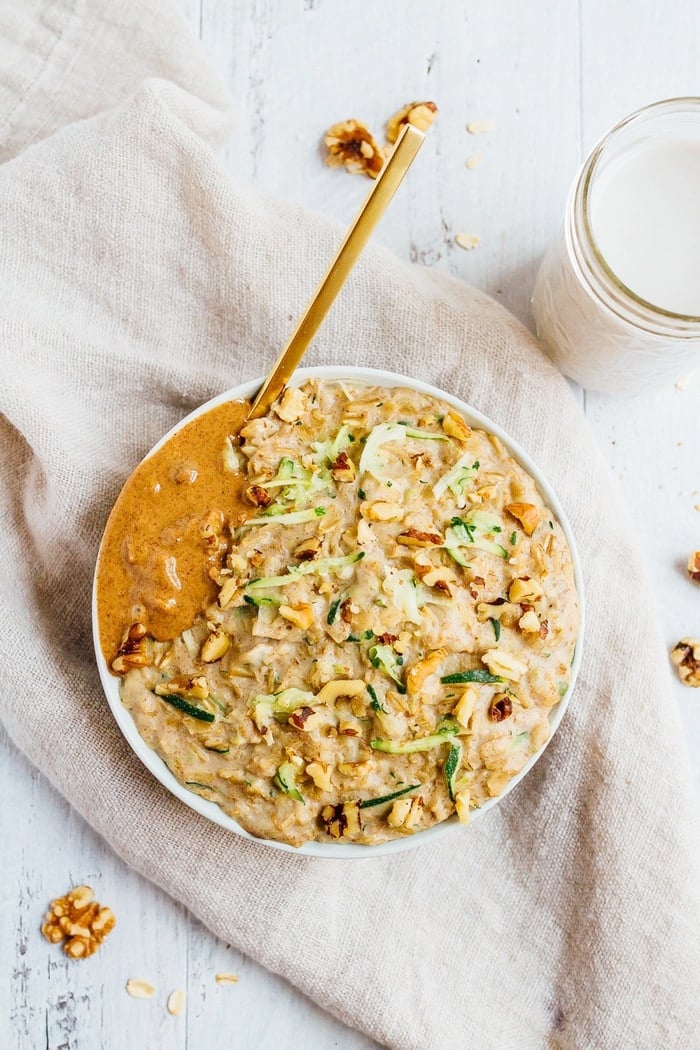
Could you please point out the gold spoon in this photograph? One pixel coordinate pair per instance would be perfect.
(407, 145)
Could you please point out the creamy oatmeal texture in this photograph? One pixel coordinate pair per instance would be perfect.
(391, 622)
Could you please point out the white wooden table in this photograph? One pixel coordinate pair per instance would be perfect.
(552, 76)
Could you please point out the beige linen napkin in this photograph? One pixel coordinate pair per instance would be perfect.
(136, 281)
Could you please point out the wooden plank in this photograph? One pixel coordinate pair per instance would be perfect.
(51, 1000)
(653, 441)
(243, 1014)
(293, 69)
(296, 69)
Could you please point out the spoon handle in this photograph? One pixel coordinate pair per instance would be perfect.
(388, 181)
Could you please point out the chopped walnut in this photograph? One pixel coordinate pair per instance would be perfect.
(80, 920)
(258, 496)
(133, 652)
(195, 688)
(529, 622)
(306, 719)
(308, 549)
(216, 645)
(381, 510)
(352, 146)
(416, 538)
(421, 670)
(291, 406)
(343, 820)
(694, 566)
(299, 615)
(320, 773)
(501, 707)
(420, 114)
(527, 514)
(502, 663)
(455, 426)
(686, 656)
(524, 589)
(343, 469)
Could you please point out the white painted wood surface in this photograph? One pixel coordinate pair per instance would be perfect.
(552, 76)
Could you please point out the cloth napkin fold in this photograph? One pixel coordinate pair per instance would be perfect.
(138, 280)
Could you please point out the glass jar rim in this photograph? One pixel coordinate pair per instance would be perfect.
(583, 192)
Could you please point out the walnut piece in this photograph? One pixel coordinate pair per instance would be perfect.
(686, 656)
(420, 114)
(258, 496)
(79, 920)
(527, 514)
(501, 707)
(342, 820)
(133, 652)
(343, 468)
(416, 538)
(694, 566)
(352, 146)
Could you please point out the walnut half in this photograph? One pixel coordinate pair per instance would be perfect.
(80, 921)
(420, 114)
(686, 656)
(694, 566)
(351, 145)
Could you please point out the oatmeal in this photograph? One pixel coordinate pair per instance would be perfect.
(392, 621)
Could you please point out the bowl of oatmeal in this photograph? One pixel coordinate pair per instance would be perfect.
(344, 628)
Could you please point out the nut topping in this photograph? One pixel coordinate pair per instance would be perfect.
(343, 468)
(258, 496)
(133, 652)
(523, 589)
(342, 820)
(308, 549)
(300, 615)
(457, 427)
(415, 538)
(527, 514)
(504, 664)
(421, 670)
(215, 646)
(305, 719)
(501, 707)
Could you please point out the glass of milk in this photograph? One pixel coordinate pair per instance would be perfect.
(617, 298)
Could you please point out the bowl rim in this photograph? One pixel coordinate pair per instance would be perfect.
(344, 851)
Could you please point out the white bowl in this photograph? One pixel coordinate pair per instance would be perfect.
(372, 377)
